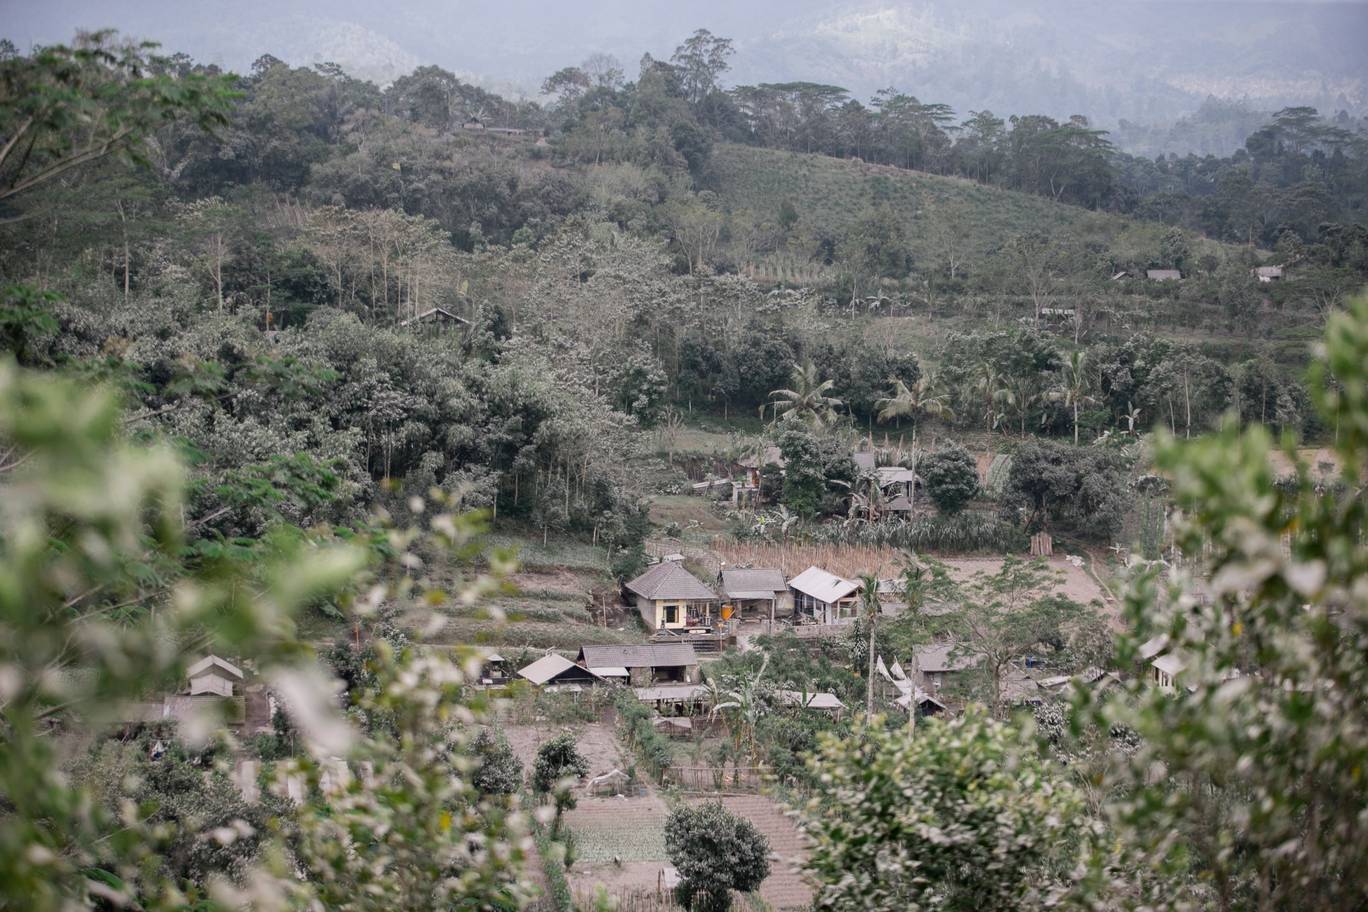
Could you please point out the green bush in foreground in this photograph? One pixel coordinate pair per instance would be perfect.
(714, 852)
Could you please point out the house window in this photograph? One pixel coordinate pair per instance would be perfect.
(671, 614)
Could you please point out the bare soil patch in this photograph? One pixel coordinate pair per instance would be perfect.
(596, 742)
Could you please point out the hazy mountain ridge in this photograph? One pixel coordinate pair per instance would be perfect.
(1146, 62)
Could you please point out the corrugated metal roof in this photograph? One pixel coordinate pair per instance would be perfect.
(668, 580)
(811, 700)
(824, 586)
(651, 655)
(741, 582)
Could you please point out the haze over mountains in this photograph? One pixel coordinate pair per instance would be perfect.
(1142, 61)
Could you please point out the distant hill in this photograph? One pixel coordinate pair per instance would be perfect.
(830, 194)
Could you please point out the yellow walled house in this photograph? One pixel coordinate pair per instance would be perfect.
(668, 597)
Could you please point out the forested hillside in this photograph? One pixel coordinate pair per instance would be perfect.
(362, 445)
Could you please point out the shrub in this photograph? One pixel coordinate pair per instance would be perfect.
(965, 815)
(651, 747)
(714, 852)
(557, 760)
(951, 479)
(500, 771)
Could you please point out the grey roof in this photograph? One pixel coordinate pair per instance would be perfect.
(937, 658)
(865, 461)
(1272, 272)
(1170, 663)
(668, 580)
(760, 582)
(889, 475)
(1163, 274)
(811, 700)
(433, 315)
(551, 666)
(651, 655)
(1154, 646)
(213, 662)
(823, 586)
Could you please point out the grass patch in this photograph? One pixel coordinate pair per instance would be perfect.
(686, 511)
(557, 553)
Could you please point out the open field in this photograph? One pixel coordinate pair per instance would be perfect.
(621, 844)
(975, 219)
(689, 512)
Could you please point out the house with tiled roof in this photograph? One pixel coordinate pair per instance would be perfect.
(668, 597)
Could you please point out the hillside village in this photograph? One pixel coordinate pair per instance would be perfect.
(670, 494)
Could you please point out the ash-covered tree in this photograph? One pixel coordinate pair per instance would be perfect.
(715, 852)
(951, 477)
(962, 815)
(1001, 618)
(559, 763)
(500, 772)
(1084, 490)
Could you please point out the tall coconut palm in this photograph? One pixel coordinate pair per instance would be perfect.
(869, 602)
(991, 386)
(1073, 388)
(807, 403)
(924, 397)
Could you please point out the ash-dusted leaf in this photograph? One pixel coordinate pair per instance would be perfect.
(310, 698)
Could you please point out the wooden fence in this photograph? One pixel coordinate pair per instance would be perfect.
(636, 899)
(716, 778)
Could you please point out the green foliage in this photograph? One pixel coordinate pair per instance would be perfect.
(714, 852)
(965, 815)
(1261, 744)
(652, 748)
(25, 318)
(65, 106)
(79, 512)
(559, 763)
(1002, 617)
(951, 477)
(1082, 490)
(500, 771)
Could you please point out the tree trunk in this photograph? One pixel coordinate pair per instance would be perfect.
(869, 689)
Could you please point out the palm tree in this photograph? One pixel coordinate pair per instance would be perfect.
(869, 601)
(923, 397)
(807, 403)
(992, 388)
(1073, 388)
